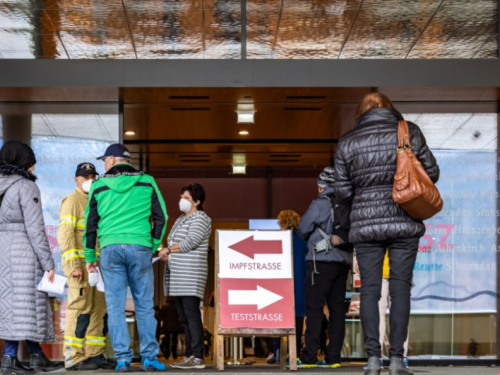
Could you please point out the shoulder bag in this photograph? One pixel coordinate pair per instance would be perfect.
(413, 189)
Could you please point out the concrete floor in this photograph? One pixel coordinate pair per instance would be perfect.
(261, 368)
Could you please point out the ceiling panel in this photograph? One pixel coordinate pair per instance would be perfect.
(262, 24)
(462, 29)
(388, 29)
(314, 29)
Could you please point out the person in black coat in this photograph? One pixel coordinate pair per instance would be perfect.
(364, 175)
(169, 325)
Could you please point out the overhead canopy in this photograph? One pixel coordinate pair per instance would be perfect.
(272, 29)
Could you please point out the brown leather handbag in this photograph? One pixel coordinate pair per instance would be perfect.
(413, 189)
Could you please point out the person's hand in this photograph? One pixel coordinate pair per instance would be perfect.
(77, 274)
(91, 267)
(52, 273)
(164, 254)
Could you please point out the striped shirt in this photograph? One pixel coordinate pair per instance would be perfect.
(186, 272)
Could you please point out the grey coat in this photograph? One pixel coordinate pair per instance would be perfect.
(186, 272)
(319, 215)
(25, 313)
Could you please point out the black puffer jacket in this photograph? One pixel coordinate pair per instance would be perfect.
(364, 174)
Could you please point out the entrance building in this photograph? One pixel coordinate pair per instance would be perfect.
(174, 81)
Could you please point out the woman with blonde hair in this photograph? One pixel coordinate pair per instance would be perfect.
(289, 220)
(364, 175)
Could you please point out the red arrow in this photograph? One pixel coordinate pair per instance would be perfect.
(249, 247)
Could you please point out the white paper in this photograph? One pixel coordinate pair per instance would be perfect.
(57, 287)
(100, 284)
(155, 260)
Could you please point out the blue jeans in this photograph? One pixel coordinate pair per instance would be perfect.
(11, 348)
(122, 266)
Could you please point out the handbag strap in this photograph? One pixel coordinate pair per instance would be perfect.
(403, 135)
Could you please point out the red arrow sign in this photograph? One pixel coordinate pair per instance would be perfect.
(249, 247)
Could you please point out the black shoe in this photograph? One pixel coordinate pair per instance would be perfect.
(83, 366)
(39, 362)
(13, 366)
(373, 367)
(397, 367)
(104, 363)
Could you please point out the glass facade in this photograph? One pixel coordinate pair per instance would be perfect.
(61, 141)
(454, 298)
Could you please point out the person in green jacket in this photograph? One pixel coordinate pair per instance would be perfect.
(126, 214)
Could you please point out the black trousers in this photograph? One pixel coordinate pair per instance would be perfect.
(370, 256)
(329, 289)
(169, 344)
(190, 315)
(299, 327)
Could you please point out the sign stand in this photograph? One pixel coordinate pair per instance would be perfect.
(255, 280)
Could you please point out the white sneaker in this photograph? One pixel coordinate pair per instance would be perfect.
(181, 362)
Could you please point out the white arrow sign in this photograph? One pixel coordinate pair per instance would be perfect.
(260, 297)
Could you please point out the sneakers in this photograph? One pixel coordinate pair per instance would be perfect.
(323, 364)
(83, 366)
(192, 363)
(381, 365)
(155, 365)
(123, 366)
(300, 364)
(181, 362)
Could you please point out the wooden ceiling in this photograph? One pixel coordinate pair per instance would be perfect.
(181, 129)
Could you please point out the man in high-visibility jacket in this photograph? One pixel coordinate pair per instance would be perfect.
(86, 317)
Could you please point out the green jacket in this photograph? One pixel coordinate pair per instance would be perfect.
(125, 208)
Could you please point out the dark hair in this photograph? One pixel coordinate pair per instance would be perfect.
(373, 100)
(197, 193)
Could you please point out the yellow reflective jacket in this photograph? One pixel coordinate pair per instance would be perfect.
(70, 232)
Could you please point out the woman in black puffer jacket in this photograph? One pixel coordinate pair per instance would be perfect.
(364, 174)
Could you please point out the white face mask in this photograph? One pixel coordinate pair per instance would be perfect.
(185, 205)
(86, 186)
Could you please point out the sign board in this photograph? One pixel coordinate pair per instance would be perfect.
(255, 279)
(254, 287)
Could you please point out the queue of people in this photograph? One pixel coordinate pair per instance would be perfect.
(112, 225)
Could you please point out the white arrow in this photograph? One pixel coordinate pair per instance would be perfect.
(260, 297)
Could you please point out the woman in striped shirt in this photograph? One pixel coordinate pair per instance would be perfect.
(186, 270)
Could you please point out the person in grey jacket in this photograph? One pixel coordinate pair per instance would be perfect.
(187, 269)
(328, 268)
(25, 312)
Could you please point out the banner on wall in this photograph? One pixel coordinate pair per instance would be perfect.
(455, 270)
(57, 159)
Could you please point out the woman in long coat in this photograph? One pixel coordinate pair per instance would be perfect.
(364, 176)
(25, 312)
(186, 271)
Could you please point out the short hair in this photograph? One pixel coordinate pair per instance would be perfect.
(373, 100)
(120, 159)
(197, 193)
(289, 219)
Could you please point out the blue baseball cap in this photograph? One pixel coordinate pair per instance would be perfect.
(117, 150)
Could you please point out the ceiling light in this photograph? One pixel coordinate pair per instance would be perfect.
(239, 169)
(243, 132)
(130, 132)
(246, 117)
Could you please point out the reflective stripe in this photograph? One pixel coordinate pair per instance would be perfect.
(96, 340)
(81, 223)
(67, 219)
(73, 338)
(73, 253)
(73, 341)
